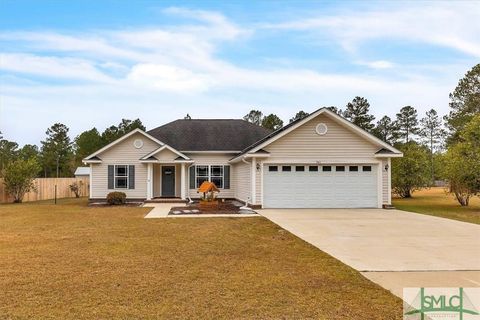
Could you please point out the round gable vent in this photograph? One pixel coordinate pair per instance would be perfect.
(321, 129)
(138, 143)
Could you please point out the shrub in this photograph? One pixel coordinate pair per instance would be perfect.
(18, 178)
(115, 198)
(411, 172)
(76, 188)
(462, 163)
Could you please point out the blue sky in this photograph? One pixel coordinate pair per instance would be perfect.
(92, 63)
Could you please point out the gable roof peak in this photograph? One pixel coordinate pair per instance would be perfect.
(295, 124)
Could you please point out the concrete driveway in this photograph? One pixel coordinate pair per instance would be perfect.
(377, 241)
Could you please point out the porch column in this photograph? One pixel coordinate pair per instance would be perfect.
(254, 180)
(182, 181)
(149, 181)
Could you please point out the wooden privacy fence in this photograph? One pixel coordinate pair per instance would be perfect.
(45, 189)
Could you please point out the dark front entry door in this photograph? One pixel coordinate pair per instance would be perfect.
(168, 181)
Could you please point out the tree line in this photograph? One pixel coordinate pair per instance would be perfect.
(58, 155)
(434, 147)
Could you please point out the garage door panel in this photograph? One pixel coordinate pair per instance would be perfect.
(320, 189)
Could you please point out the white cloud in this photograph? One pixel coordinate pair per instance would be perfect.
(219, 27)
(448, 24)
(378, 64)
(51, 67)
(169, 78)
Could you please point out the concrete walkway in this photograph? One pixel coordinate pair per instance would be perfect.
(161, 210)
(391, 247)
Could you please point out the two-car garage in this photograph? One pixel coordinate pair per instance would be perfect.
(320, 186)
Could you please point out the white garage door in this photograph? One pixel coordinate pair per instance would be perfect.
(325, 186)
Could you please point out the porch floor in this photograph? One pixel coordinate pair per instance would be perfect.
(165, 200)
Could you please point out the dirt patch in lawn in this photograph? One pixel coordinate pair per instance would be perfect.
(71, 261)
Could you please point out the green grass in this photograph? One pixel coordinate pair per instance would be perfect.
(71, 261)
(437, 202)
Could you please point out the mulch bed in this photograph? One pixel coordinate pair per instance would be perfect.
(104, 204)
(222, 208)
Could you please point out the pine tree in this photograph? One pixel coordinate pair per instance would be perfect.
(255, 117)
(56, 152)
(357, 112)
(272, 122)
(432, 133)
(385, 130)
(299, 115)
(464, 103)
(406, 123)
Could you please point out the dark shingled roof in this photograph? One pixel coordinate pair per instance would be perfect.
(209, 134)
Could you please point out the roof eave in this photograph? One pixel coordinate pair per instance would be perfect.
(388, 155)
(86, 161)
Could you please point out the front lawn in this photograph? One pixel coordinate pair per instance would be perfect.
(437, 202)
(72, 261)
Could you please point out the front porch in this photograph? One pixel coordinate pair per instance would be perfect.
(166, 182)
(166, 173)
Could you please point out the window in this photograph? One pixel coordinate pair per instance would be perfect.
(220, 175)
(121, 177)
(300, 168)
(313, 168)
(353, 168)
(286, 168)
(272, 168)
(327, 168)
(367, 168)
(216, 175)
(340, 168)
(202, 174)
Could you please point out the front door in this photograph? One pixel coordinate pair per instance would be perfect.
(168, 181)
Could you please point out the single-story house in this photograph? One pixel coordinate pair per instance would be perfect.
(82, 172)
(321, 161)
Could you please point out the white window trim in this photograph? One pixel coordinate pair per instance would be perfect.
(222, 176)
(209, 173)
(115, 176)
(197, 185)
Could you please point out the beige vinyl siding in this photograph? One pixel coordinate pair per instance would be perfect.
(157, 177)
(258, 185)
(305, 145)
(242, 181)
(385, 183)
(123, 153)
(178, 179)
(212, 159)
(165, 155)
